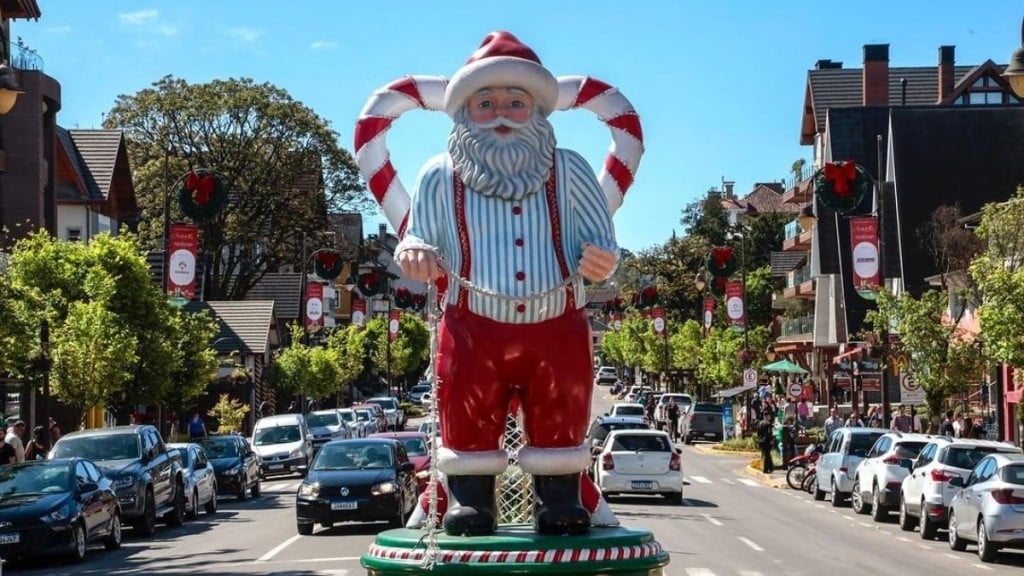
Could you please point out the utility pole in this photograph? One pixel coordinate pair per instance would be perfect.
(880, 199)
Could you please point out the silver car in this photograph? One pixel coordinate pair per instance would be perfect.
(989, 507)
(200, 480)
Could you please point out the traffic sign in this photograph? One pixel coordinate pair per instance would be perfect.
(749, 377)
(795, 390)
(911, 392)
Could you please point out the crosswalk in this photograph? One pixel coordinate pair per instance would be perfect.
(280, 486)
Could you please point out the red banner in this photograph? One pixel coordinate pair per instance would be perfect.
(864, 240)
(709, 312)
(183, 244)
(734, 306)
(358, 311)
(617, 321)
(314, 306)
(659, 321)
(393, 317)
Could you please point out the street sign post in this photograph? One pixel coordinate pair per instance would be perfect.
(795, 390)
(749, 377)
(911, 393)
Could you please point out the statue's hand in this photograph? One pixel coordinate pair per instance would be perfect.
(596, 263)
(419, 264)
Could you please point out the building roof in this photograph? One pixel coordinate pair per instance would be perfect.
(98, 149)
(245, 326)
(765, 199)
(784, 262)
(284, 288)
(77, 166)
(24, 9)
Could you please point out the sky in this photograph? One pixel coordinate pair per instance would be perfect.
(719, 85)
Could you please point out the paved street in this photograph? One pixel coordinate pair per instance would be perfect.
(730, 524)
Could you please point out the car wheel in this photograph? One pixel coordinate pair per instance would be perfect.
(819, 494)
(211, 506)
(176, 517)
(113, 541)
(256, 490)
(879, 513)
(78, 542)
(146, 524)
(986, 549)
(907, 522)
(928, 527)
(856, 499)
(834, 497)
(304, 529)
(192, 512)
(243, 489)
(956, 543)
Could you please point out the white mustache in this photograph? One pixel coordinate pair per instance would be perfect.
(500, 122)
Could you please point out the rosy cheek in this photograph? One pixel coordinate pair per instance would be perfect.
(477, 114)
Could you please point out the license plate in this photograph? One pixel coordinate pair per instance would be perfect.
(709, 434)
(12, 538)
(276, 466)
(642, 485)
(345, 505)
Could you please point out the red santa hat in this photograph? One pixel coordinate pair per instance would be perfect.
(502, 60)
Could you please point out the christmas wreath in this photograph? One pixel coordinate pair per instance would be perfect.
(614, 305)
(718, 286)
(419, 302)
(646, 297)
(370, 284)
(721, 262)
(327, 264)
(202, 195)
(403, 298)
(841, 186)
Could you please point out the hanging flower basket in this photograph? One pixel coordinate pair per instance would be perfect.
(841, 186)
(721, 262)
(327, 264)
(403, 298)
(718, 286)
(202, 195)
(419, 302)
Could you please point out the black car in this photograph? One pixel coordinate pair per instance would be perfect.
(236, 466)
(362, 480)
(56, 507)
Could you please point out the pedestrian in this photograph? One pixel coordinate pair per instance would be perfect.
(833, 422)
(803, 413)
(854, 421)
(196, 427)
(765, 437)
(902, 422)
(958, 426)
(967, 429)
(37, 448)
(15, 432)
(673, 418)
(55, 432)
(946, 428)
(649, 408)
(7, 453)
(874, 418)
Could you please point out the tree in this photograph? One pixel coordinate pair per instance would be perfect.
(229, 413)
(303, 370)
(707, 219)
(280, 161)
(93, 355)
(409, 352)
(952, 246)
(191, 335)
(350, 346)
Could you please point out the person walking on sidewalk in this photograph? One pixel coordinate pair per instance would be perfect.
(673, 418)
(765, 438)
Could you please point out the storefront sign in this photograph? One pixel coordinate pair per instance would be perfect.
(181, 266)
(864, 240)
(734, 306)
(314, 306)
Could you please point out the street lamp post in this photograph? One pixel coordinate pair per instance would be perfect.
(699, 283)
(44, 348)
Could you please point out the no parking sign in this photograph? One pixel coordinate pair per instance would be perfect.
(911, 392)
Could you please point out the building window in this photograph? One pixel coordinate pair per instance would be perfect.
(74, 234)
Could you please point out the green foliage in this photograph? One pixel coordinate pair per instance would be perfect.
(409, 352)
(304, 370)
(707, 219)
(229, 413)
(1000, 277)
(191, 335)
(93, 355)
(349, 345)
(748, 444)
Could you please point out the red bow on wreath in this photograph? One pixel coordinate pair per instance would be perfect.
(721, 256)
(419, 301)
(202, 186)
(368, 283)
(841, 176)
(327, 258)
(403, 298)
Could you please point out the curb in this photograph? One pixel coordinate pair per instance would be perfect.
(771, 480)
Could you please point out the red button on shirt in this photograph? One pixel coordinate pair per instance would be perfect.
(517, 210)
(519, 242)
(520, 276)
(521, 308)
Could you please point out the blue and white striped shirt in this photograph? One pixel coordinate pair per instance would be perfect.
(511, 250)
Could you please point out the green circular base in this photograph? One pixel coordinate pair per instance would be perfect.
(517, 549)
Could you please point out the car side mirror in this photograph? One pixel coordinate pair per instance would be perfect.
(406, 467)
(956, 482)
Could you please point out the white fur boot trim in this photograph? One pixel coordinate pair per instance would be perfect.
(554, 461)
(466, 463)
(603, 515)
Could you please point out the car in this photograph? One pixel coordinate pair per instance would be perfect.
(355, 427)
(988, 508)
(283, 443)
(326, 425)
(416, 392)
(684, 401)
(235, 464)
(879, 476)
(417, 447)
(427, 399)
(836, 467)
(926, 492)
(368, 420)
(640, 462)
(605, 375)
(380, 419)
(357, 480)
(704, 421)
(604, 425)
(56, 507)
(393, 412)
(628, 409)
(200, 479)
(145, 474)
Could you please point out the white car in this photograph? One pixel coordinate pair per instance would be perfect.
(879, 476)
(926, 492)
(640, 462)
(605, 375)
(845, 449)
(355, 427)
(426, 399)
(627, 409)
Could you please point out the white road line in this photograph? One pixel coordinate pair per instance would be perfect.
(277, 549)
(749, 482)
(982, 566)
(750, 543)
(712, 519)
(867, 525)
(700, 479)
(850, 518)
(729, 482)
(953, 556)
(748, 573)
(822, 506)
(699, 572)
(903, 539)
(924, 546)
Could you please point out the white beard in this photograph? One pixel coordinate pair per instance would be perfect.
(509, 167)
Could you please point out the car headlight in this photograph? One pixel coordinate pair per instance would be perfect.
(423, 475)
(383, 488)
(295, 453)
(232, 472)
(123, 481)
(62, 513)
(310, 490)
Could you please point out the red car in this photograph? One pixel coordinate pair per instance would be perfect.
(418, 450)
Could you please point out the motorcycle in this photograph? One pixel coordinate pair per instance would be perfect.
(800, 465)
(810, 479)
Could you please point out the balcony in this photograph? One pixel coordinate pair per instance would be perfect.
(795, 239)
(24, 58)
(797, 326)
(799, 188)
(806, 290)
(795, 280)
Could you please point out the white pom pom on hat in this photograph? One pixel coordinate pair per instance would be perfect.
(502, 61)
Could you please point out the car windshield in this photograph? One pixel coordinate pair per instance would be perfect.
(352, 456)
(34, 479)
(602, 431)
(420, 388)
(99, 448)
(909, 450)
(415, 446)
(386, 403)
(347, 415)
(1013, 474)
(221, 448)
(323, 420)
(277, 435)
(363, 415)
(966, 457)
(629, 410)
(861, 443)
(641, 442)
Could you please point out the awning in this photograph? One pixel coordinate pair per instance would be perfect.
(730, 392)
(846, 355)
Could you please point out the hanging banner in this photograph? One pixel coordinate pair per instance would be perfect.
(864, 240)
(734, 306)
(358, 311)
(617, 321)
(393, 317)
(659, 321)
(314, 306)
(183, 244)
(709, 312)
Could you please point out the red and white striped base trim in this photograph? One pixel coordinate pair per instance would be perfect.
(555, 556)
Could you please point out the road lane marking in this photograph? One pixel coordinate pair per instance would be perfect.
(700, 479)
(982, 566)
(712, 519)
(749, 573)
(729, 482)
(277, 549)
(903, 539)
(953, 556)
(924, 546)
(699, 572)
(867, 525)
(749, 482)
(750, 543)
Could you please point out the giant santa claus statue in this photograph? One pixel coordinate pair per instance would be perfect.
(518, 225)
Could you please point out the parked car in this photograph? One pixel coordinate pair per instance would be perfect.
(604, 425)
(628, 409)
(703, 422)
(836, 467)
(640, 462)
(684, 401)
(146, 476)
(326, 425)
(369, 421)
(605, 375)
(56, 507)
(380, 420)
(416, 392)
(879, 476)
(364, 480)
(417, 447)
(989, 507)
(926, 492)
(200, 479)
(351, 420)
(235, 464)
(393, 412)
(283, 444)
(427, 399)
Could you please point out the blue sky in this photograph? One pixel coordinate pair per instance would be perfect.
(719, 84)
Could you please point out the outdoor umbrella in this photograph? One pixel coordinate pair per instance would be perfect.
(784, 366)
